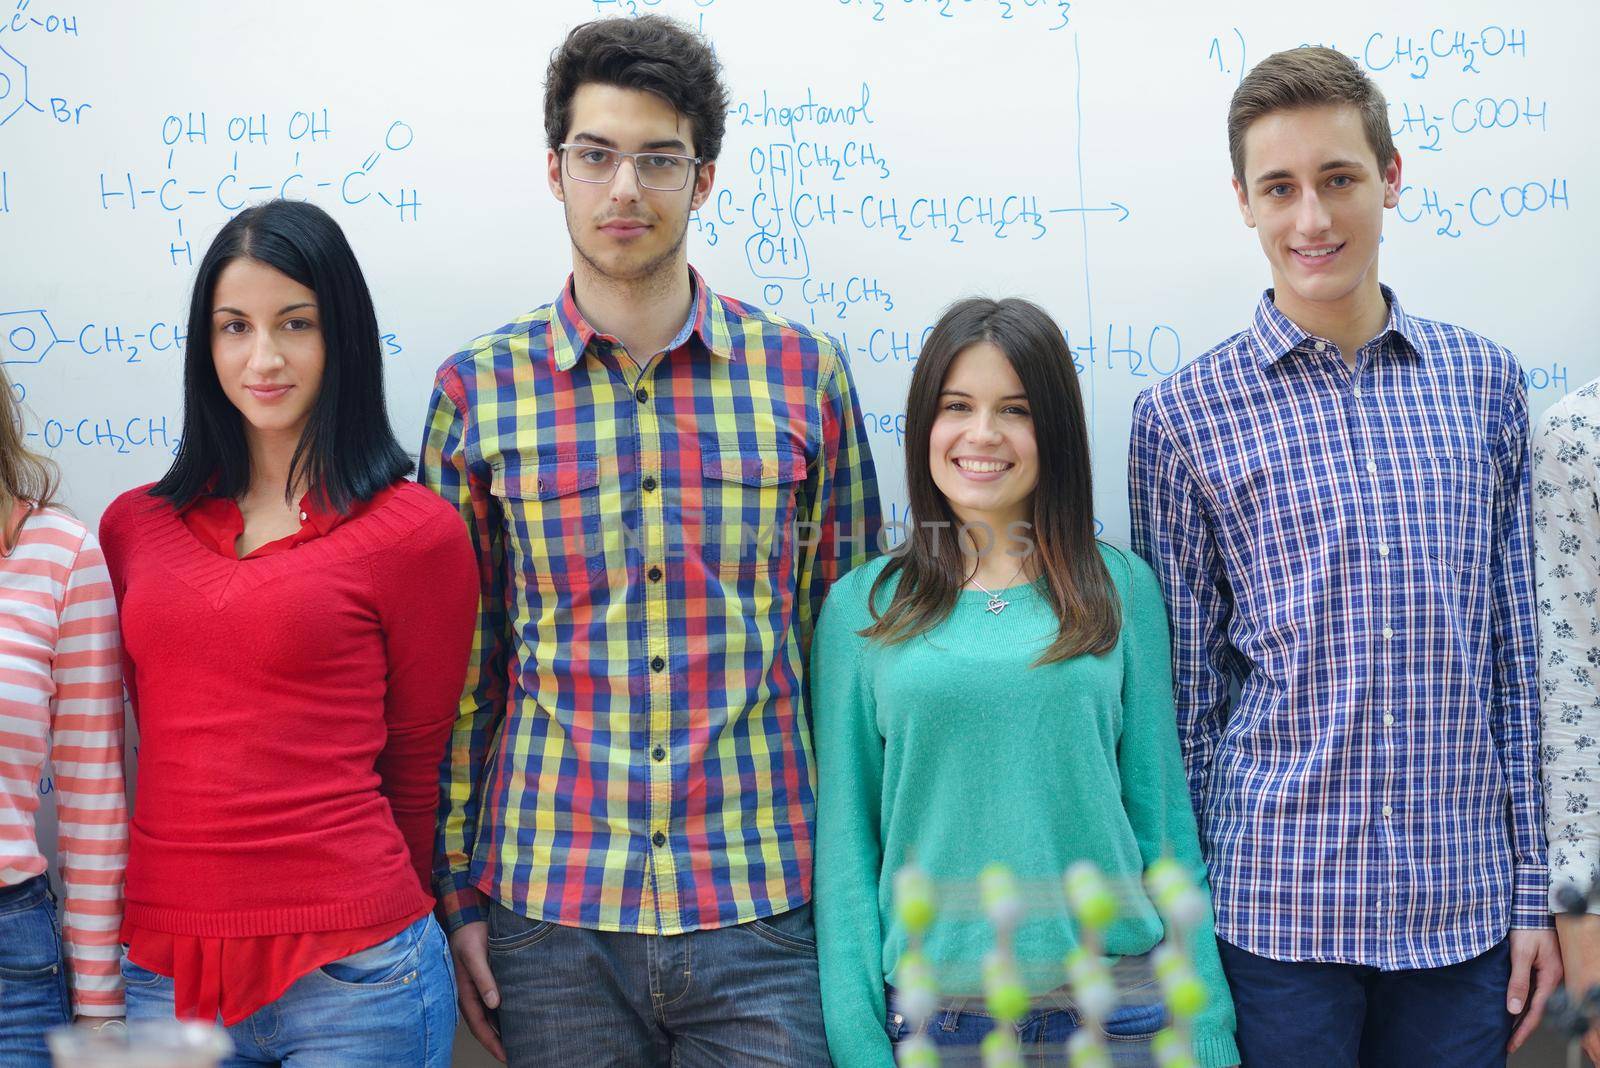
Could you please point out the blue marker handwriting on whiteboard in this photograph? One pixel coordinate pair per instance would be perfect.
(1466, 116)
(17, 80)
(841, 296)
(1540, 379)
(1439, 48)
(1483, 207)
(115, 433)
(230, 189)
(1051, 14)
(808, 112)
(28, 336)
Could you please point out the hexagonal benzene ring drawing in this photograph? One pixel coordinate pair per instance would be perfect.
(13, 85)
(26, 336)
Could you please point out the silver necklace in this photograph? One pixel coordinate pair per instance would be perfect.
(997, 604)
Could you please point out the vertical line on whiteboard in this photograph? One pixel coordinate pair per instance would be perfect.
(1083, 219)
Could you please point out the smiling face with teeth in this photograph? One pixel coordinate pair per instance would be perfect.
(982, 453)
(1315, 193)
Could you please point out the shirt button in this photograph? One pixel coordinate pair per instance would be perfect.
(1359, 393)
(649, 483)
(642, 395)
(655, 574)
(1372, 467)
(302, 517)
(1322, 346)
(1387, 811)
(657, 664)
(1388, 632)
(1388, 719)
(659, 753)
(659, 839)
(1383, 550)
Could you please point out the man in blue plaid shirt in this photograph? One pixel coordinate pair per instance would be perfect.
(1336, 501)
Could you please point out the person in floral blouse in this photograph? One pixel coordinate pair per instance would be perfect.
(1566, 479)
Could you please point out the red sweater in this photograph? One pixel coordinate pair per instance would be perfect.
(292, 710)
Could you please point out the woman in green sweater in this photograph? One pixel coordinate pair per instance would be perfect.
(998, 691)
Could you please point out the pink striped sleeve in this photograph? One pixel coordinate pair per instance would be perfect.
(91, 806)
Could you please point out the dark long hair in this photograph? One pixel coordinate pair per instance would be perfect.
(347, 451)
(932, 568)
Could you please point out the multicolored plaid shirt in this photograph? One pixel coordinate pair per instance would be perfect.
(1353, 550)
(634, 751)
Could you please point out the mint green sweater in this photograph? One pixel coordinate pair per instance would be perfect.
(951, 749)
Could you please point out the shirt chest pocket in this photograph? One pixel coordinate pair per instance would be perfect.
(1455, 514)
(552, 514)
(747, 509)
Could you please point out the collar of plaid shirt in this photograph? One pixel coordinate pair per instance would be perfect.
(1276, 335)
(571, 334)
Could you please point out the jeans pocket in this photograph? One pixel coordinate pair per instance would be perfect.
(792, 930)
(1135, 1023)
(390, 961)
(135, 974)
(510, 931)
(30, 944)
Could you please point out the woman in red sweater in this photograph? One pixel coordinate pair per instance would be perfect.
(296, 619)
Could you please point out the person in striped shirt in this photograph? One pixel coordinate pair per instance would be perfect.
(1336, 502)
(61, 700)
(661, 483)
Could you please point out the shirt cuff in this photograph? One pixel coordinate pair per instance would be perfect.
(1530, 905)
(460, 903)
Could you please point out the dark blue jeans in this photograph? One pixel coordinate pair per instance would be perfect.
(33, 979)
(1337, 1015)
(746, 995)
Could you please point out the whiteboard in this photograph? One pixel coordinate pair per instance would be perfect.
(882, 158)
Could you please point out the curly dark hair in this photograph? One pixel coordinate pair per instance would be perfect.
(650, 53)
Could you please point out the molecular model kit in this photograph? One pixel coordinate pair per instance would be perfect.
(1094, 985)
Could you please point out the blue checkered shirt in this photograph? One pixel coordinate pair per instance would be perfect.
(1347, 562)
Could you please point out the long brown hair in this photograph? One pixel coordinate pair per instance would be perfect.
(931, 566)
(24, 474)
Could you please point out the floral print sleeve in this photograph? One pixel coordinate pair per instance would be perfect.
(1566, 479)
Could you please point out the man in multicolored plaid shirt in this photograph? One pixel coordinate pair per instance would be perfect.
(661, 483)
(1336, 502)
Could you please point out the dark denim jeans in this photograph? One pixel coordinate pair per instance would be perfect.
(33, 979)
(746, 995)
(1344, 1015)
(389, 1005)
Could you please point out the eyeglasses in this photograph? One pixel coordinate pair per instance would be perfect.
(661, 171)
